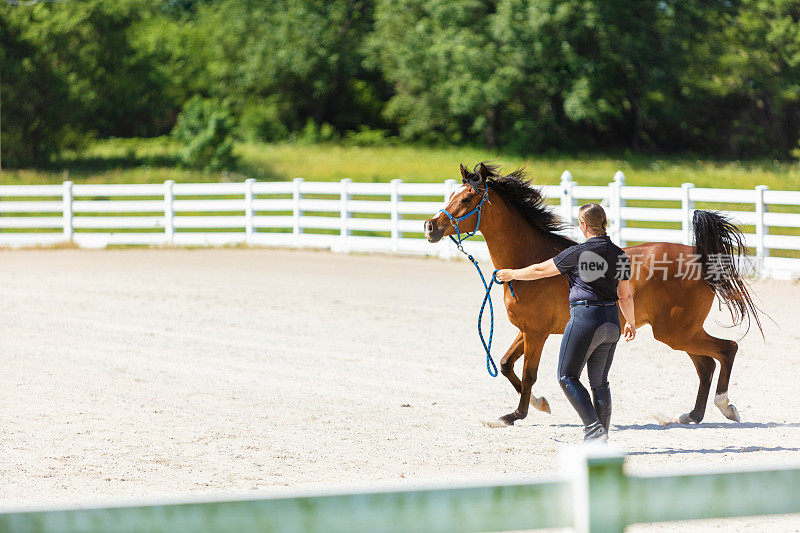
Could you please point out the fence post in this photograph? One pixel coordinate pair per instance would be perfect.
(762, 228)
(344, 214)
(567, 201)
(395, 198)
(617, 203)
(67, 210)
(687, 211)
(599, 488)
(613, 212)
(447, 250)
(169, 212)
(297, 195)
(248, 210)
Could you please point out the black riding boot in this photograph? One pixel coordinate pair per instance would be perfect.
(578, 396)
(602, 405)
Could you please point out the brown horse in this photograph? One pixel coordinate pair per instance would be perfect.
(520, 229)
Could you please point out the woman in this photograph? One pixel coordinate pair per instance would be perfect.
(598, 272)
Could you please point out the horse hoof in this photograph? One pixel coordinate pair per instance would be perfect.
(541, 404)
(509, 419)
(685, 418)
(732, 413)
(499, 423)
(727, 408)
(663, 419)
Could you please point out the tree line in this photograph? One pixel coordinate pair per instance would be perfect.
(714, 77)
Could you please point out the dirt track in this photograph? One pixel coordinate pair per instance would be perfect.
(136, 373)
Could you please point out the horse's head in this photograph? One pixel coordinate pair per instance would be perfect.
(464, 200)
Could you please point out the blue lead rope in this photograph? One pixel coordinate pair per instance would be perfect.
(487, 346)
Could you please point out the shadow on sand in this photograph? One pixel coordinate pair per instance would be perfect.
(702, 425)
(726, 449)
(708, 425)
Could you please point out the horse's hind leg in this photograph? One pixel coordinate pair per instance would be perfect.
(724, 351)
(705, 371)
(728, 354)
(507, 368)
(699, 347)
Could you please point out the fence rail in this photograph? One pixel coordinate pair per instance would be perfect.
(593, 494)
(352, 216)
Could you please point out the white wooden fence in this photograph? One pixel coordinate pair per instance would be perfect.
(353, 216)
(593, 494)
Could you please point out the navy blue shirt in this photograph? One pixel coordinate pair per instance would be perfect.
(594, 269)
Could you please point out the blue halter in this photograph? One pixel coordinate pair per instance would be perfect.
(454, 221)
(458, 239)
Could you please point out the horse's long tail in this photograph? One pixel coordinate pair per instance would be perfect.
(720, 244)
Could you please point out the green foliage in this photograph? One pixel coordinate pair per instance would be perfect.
(264, 121)
(525, 76)
(313, 134)
(71, 70)
(32, 128)
(300, 54)
(91, 45)
(205, 127)
(758, 79)
(541, 74)
(365, 136)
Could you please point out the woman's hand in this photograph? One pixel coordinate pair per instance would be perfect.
(630, 332)
(504, 275)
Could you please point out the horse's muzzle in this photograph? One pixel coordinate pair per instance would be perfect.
(432, 231)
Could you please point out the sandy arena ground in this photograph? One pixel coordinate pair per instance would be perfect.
(135, 373)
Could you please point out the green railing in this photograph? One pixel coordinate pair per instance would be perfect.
(594, 495)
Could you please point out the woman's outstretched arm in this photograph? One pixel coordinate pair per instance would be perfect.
(536, 271)
(625, 296)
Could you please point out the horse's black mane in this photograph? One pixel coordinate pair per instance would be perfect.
(518, 191)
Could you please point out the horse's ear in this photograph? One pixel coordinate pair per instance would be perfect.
(483, 172)
(464, 172)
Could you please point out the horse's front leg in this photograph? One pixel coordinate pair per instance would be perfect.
(507, 368)
(533, 344)
(507, 362)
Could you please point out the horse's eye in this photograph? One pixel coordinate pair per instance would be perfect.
(466, 199)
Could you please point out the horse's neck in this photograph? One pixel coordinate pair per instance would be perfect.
(512, 242)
